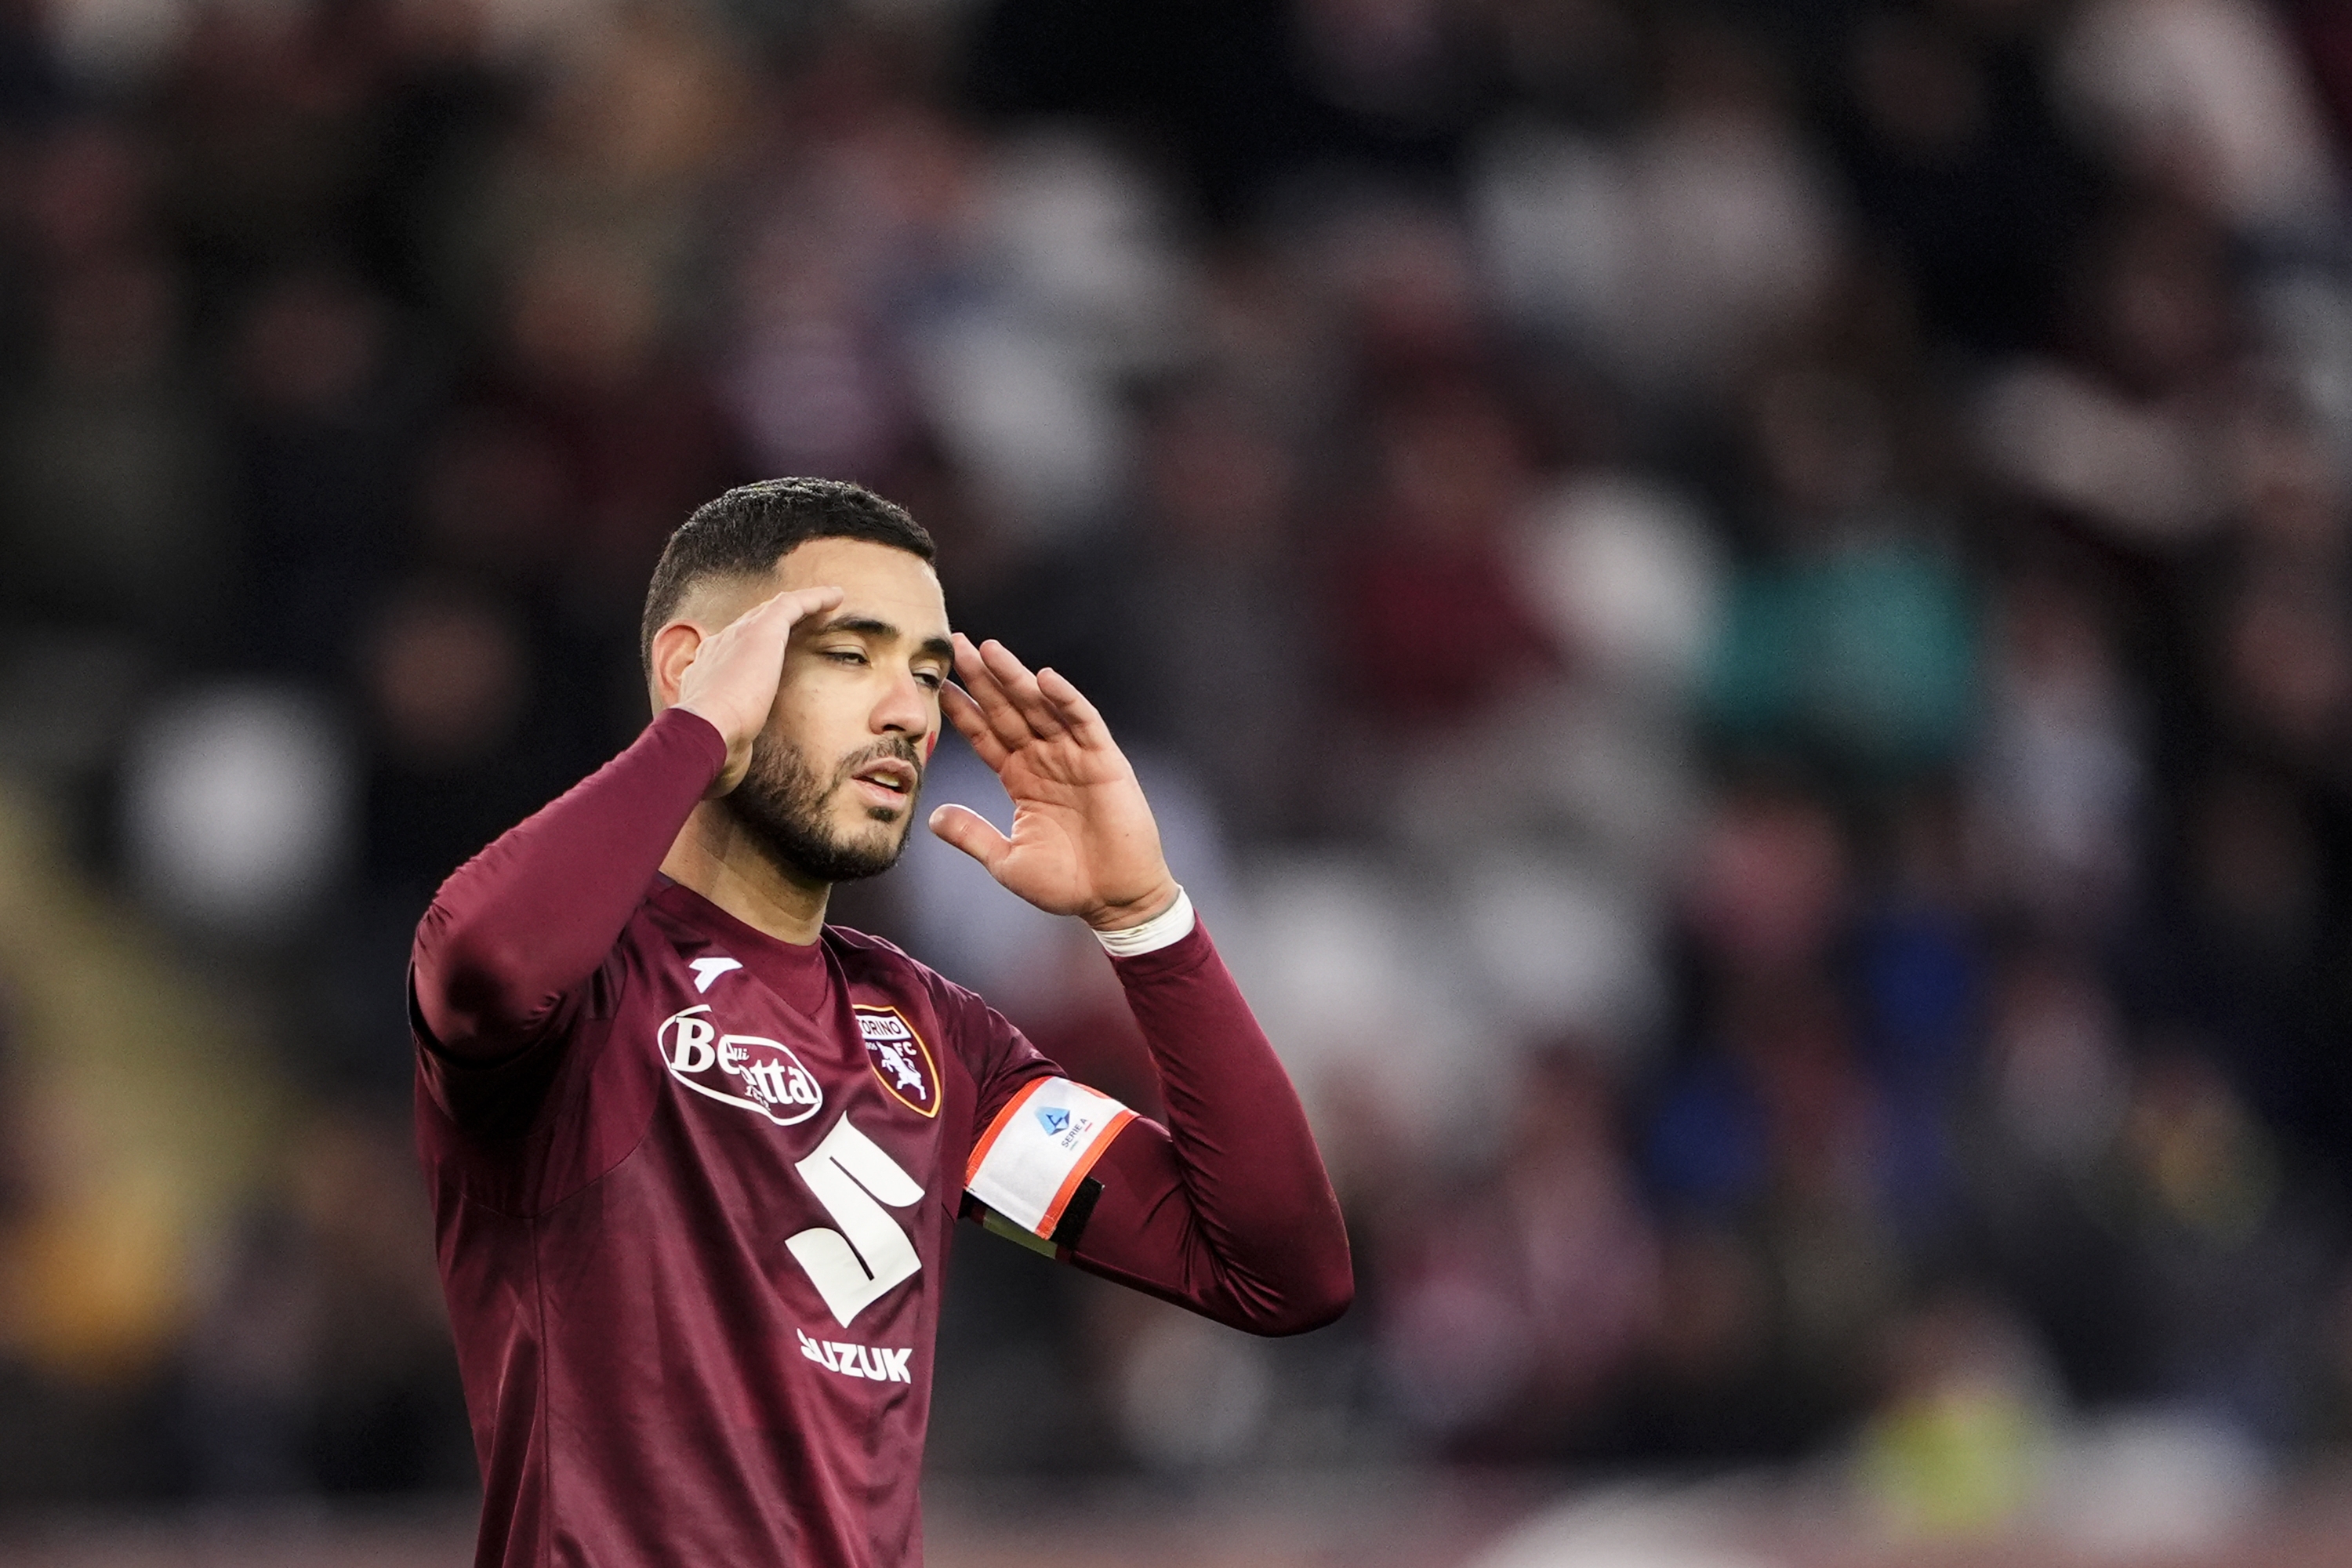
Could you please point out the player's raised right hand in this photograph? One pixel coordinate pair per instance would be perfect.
(733, 678)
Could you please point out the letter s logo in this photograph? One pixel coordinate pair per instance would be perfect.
(855, 1266)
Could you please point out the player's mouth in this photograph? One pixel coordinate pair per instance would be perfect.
(887, 783)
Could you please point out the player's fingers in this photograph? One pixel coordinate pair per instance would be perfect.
(753, 642)
(972, 725)
(981, 681)
(1083, 720)
(773, 619)
(788, 607)
(972, 834)
(1021, 687)
(796, 604)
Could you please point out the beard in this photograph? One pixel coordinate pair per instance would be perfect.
(781, 804)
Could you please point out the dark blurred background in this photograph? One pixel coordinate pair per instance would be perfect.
(1741, 616)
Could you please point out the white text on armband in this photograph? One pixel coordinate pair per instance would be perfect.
(1029, 1163)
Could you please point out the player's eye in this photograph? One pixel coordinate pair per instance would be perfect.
(845, 655)
(931, 679)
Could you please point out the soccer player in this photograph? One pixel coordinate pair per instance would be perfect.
(694, 1153)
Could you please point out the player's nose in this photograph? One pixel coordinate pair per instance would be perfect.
(904, 708)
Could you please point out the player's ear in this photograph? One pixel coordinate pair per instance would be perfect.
(673, 648)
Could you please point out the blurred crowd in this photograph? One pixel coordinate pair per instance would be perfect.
(1741, 616)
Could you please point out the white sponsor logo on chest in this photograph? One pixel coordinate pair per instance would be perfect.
(749, 1071)
(873, 1362)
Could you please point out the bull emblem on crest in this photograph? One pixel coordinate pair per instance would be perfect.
(900, 1059)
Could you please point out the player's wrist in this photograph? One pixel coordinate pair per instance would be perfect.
(1166, 928)
(715, 714)
(737, 753)
(1131, 912)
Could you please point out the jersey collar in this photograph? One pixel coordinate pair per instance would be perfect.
(796, 971)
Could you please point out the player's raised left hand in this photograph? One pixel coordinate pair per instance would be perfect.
(1083, 841)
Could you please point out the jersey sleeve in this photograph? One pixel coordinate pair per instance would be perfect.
(1225, 1210)
(510, 953)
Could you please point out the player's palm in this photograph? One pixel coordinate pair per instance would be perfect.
(731, 675)
(1081, 832)
(1083, 840)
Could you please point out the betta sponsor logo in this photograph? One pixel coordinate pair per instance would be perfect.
(900, 1059)
(749, 1071)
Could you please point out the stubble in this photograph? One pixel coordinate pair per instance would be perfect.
(782, 804)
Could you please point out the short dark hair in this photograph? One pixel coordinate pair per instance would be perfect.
(746, 532)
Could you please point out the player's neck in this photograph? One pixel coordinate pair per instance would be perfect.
(713, 856)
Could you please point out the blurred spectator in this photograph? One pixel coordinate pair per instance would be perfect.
(2061, 772)
(588, 369)
(1920, 979)
(2206, 100)
(1432, 631)
(1851, 642)
(1675, 252)
(2052, 1103)
(639, 114)
(109, 466)
(265, 113)
(2223, 1240)
(324, 415)
(2121, 438)
(1517, 1305)
(321, 1361)
(1956, 1449)
(450, 685)
(1957, 160)
(440, 107)
(1229, 618)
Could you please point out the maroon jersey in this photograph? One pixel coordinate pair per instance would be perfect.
(692, 1187)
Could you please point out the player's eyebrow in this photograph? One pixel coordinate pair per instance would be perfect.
(869, 626)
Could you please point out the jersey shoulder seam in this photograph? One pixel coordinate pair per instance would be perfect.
(857, 947)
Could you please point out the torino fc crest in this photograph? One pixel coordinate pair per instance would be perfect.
(900, 1059)
(745, 1070)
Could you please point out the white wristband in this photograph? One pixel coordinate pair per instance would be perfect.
(1166, 929)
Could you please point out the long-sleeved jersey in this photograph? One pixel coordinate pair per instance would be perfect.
(692, 1187)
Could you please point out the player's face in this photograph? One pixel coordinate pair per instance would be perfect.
(835, 776)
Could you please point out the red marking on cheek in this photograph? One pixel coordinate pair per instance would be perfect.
(930, 744)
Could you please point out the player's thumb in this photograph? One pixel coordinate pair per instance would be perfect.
(971, 832)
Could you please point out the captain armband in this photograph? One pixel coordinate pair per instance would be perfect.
(1028, 1172)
